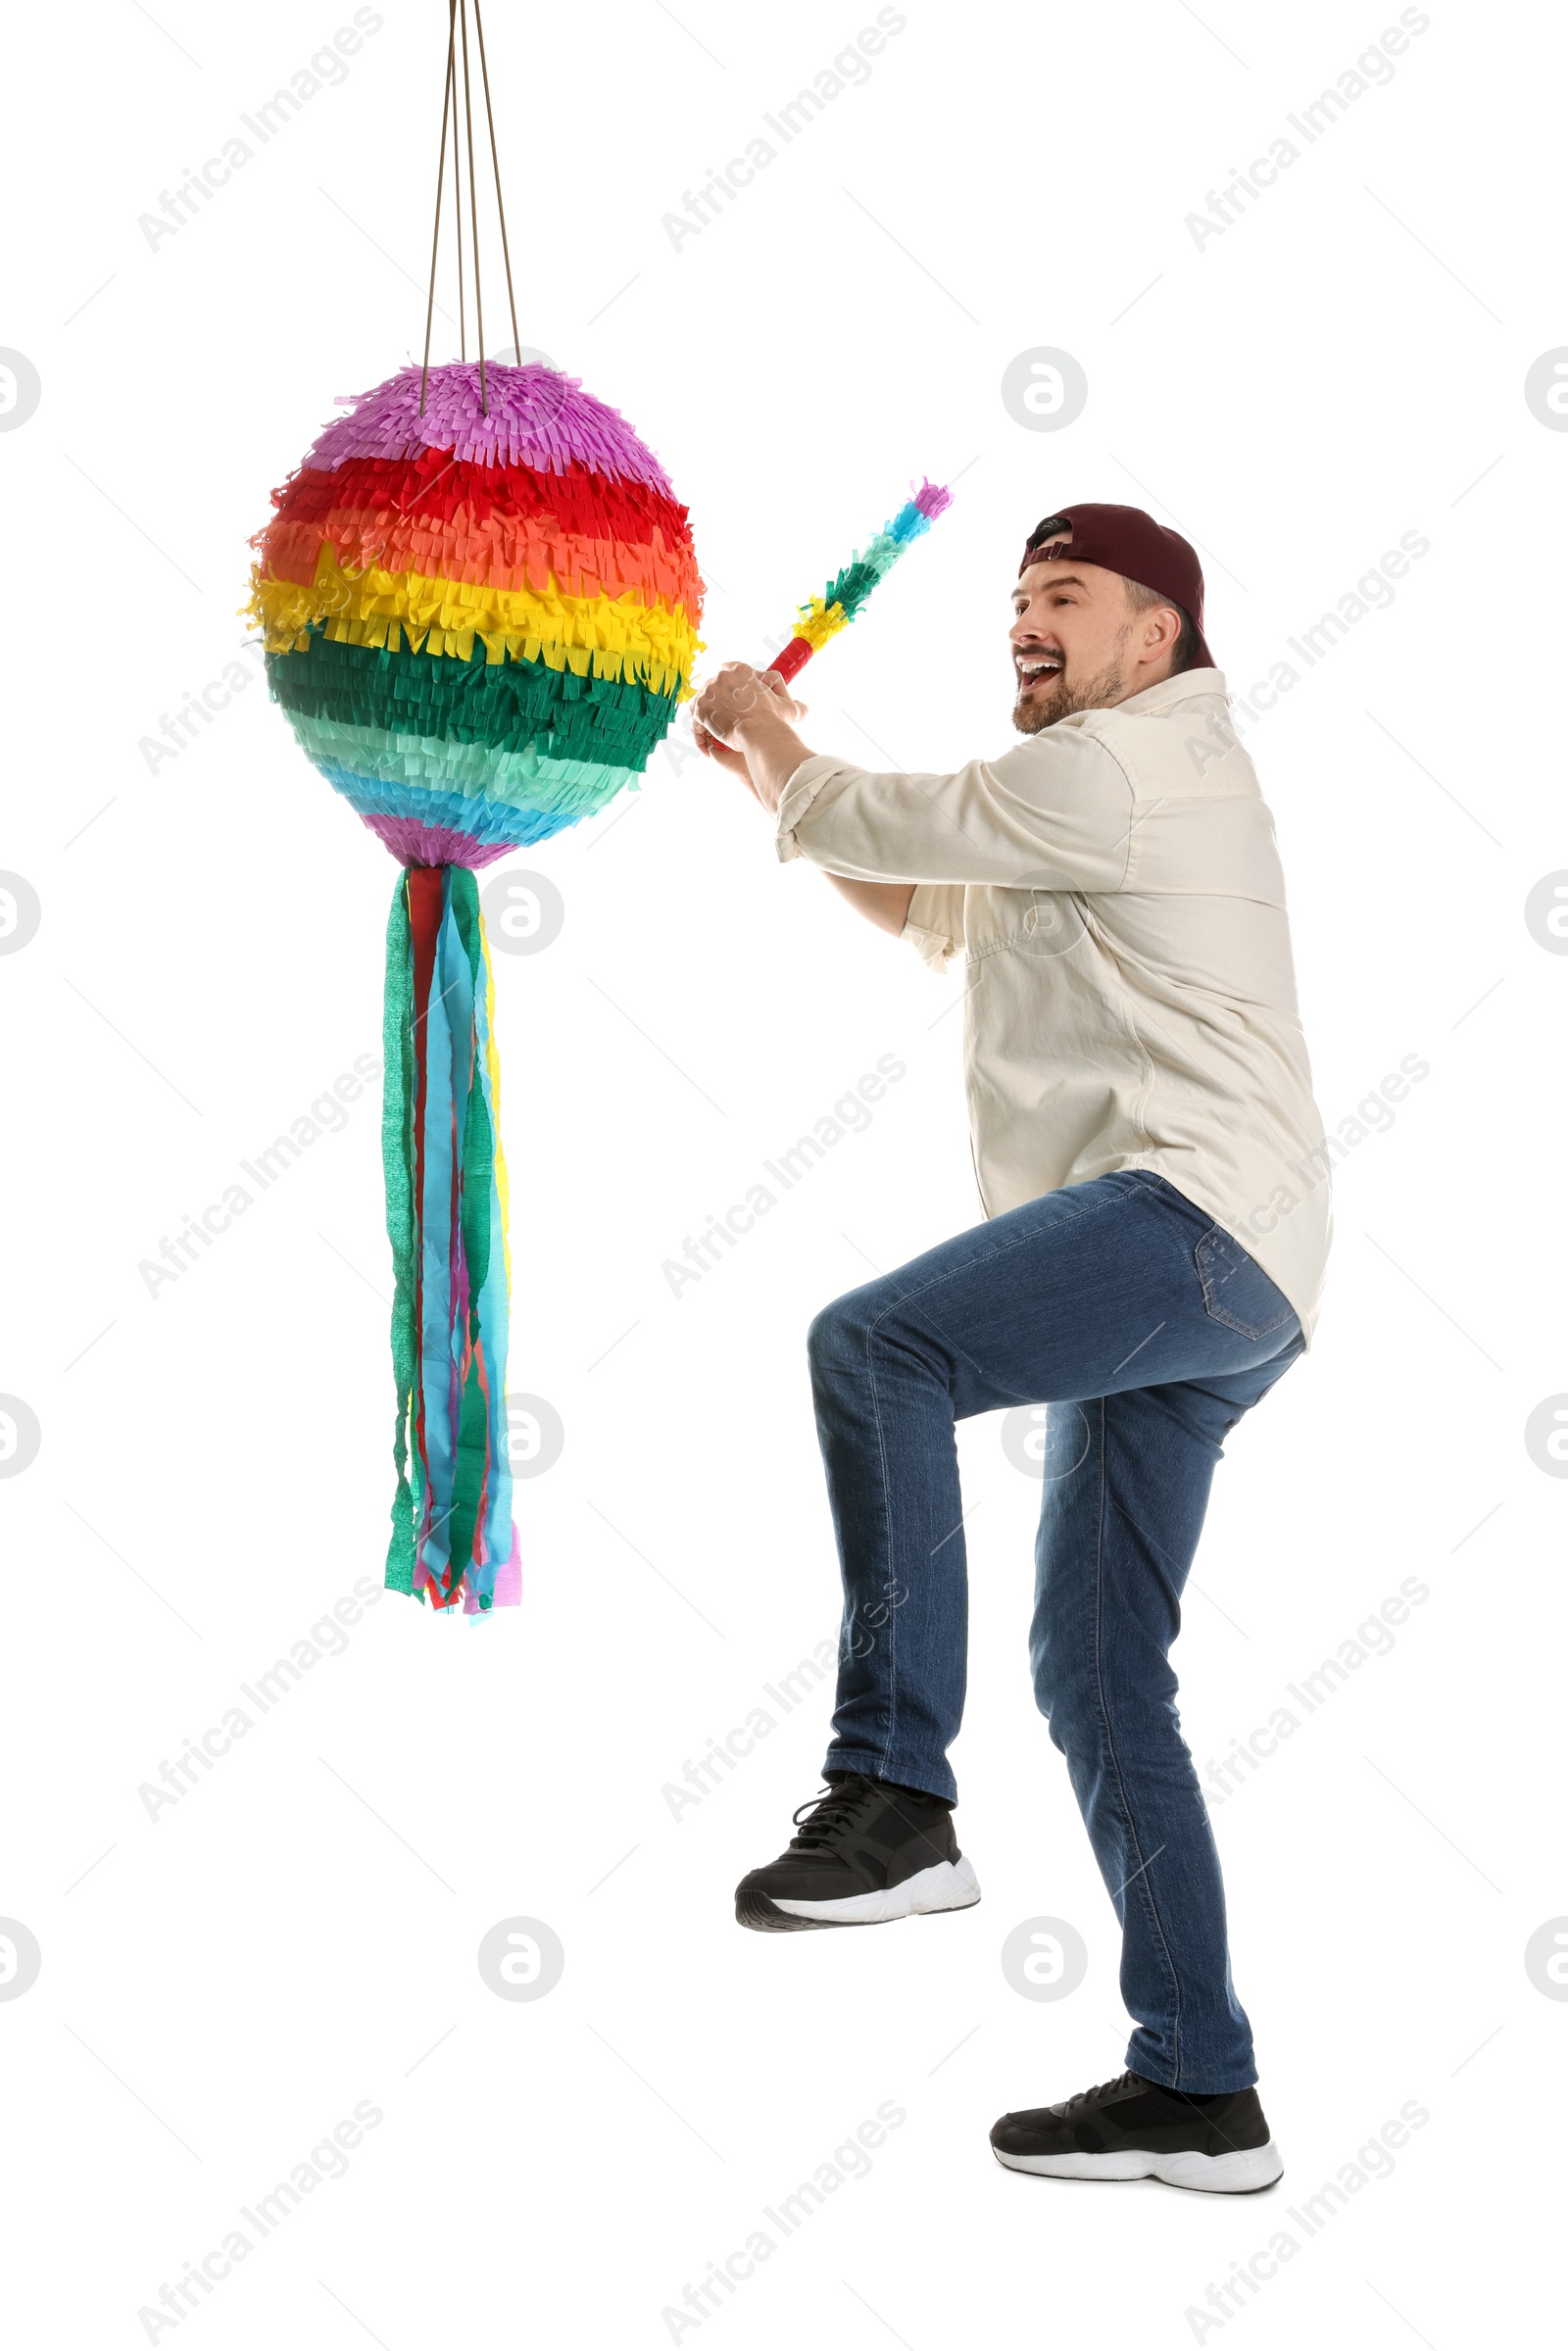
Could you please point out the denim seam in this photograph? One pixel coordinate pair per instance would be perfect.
(1211, 1305)
(887, 1559)
(1146, 1892)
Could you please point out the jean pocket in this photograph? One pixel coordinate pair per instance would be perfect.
(1236, 1292)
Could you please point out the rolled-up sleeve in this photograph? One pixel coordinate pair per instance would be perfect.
(933, 924)
(1055, 814)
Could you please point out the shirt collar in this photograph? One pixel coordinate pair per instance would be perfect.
(1193, 685)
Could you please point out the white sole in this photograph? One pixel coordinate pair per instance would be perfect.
(945, 1885)
(1242, 2172)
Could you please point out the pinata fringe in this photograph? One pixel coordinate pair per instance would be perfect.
(453, 1540)
(504, 546)
(646, 642)
(508, 706)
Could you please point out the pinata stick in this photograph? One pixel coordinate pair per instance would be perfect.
(826, 614)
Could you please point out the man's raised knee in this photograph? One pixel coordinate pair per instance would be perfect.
(836, 1336)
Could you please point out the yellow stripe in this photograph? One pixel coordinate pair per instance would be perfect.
(615, 636)
(819, 622)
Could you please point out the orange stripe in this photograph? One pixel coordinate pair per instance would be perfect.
(505, 552)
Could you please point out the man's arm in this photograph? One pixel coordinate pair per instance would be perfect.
(886, 903)
(778, 753)
(1056, 814)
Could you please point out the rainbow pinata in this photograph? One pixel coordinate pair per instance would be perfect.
(478, 625)
(480, 605)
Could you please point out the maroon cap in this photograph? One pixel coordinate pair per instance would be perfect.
(1124, 539)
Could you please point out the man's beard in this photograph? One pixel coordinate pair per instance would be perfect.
(1035, 711)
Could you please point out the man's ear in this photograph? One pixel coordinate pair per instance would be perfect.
(1162, 630)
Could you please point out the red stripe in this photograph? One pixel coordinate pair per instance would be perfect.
(424, 884)
(436, 484)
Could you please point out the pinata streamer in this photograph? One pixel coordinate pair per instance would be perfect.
(479, 602)
(825, 614)
(478, 626)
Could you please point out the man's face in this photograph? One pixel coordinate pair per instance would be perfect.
(1077, 645)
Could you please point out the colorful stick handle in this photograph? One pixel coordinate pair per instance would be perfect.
(794, 657)
(826, 614)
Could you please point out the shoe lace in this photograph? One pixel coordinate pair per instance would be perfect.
(1082, 2097)
(826, 1815)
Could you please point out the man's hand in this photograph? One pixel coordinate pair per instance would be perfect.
(728, 699)
(745, 720)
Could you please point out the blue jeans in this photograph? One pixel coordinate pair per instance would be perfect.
(1148, 1332)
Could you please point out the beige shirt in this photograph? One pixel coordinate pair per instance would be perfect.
(1114, 887)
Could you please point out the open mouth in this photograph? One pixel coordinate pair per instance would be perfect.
(1032, 668)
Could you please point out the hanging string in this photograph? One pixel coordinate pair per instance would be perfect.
(458, 26)
(495, 160)
(474, 205)
(440, 179)
(457, 201)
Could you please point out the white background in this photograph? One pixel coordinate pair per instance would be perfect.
(220, 1987)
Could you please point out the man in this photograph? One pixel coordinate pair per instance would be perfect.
(1150, 1163)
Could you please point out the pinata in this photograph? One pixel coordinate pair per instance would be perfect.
(481, 603)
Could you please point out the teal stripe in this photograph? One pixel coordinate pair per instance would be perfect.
(423, 762)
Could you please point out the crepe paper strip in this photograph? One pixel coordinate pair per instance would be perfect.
(537, 418)
(492, 1062)
(510, 555)
(621, 542)
(504, 704)
(413, 841)
(650, 642)
(528, 779)
(479, 627)
(452, 1530)
(493, 826)
(500, 784)
(397, 1151)
(825, 616)
(435, 487)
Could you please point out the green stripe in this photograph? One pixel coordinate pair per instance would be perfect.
(507, 704)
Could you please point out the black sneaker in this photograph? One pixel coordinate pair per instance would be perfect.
(1131, 2128)
(865, 1852)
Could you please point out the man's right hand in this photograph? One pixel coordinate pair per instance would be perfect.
(738, 693)
(727, 700)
